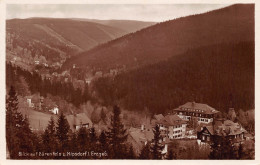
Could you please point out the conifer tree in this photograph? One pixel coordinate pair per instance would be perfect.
(145, 152)
(215, 148)
(73, 143)
(228, 149)
(222, 147)
(240, 152)
(18, 133)
(83, 139)
(131, 153)
(103, 144)
(103, 141)
(156, 145)
(117, 135)
(62, 132)
(171, 155)
(93, 138)
(13, 123)
(49, 138)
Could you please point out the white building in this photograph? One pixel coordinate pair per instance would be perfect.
(172, 127)
(55, 110)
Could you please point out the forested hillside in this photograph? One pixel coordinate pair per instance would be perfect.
(80, 34)
(163, 40)
(28, 83)
(212, 75)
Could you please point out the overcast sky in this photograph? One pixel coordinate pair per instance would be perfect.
(156, 13)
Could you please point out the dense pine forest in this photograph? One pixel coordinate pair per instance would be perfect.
(28, 83)
(214, 75)
(166, 39)
(87, 89)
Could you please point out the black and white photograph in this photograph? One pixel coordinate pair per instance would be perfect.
(130, 81)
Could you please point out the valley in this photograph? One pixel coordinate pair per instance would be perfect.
(175, 89)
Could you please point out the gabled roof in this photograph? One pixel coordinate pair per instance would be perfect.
(140, 136)
(228, 127)
(171, 120)
(196, 107)
(78, 119)
(158, 117)
(208, 127)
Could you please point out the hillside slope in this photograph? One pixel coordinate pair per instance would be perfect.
(214, 75)
(80, 34)
(163, 40)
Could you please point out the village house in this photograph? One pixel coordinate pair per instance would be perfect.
(55, 110)
(35, 101)
(36, 62)
(77, 121)
(29, 101)
(98, 74)
(220, 127)
(139, 138)
(202, 112)
(172, 127)
(88, 80)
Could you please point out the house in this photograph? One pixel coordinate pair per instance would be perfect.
(88, 80)
(77, 121)
(55, 110)
(248, 136)
(36, 62)
(202, 112)
(220, 127)
(29, 101)
(172, 127)
(45, 64)
(35, 101)
(139, 138)
(98, 74)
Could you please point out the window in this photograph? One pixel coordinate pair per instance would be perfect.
(203, 137)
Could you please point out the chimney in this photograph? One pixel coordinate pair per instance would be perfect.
(193, 103)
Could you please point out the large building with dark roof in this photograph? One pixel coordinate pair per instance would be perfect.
(202, 112)
(221, 127)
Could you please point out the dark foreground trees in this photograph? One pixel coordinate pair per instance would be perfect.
(19, 137)
(117, 136)
(156, 147)
(223, 147)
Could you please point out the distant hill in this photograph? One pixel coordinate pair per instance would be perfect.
(129, 26)
(214, 75)
(163, 40)
(80, 34)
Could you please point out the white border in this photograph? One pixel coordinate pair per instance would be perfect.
(119, 162)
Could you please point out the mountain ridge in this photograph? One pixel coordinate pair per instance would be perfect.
(166, 39)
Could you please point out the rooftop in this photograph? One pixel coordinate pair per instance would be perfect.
(78, 119)
(171, 120)
(196, 107)
(225, 128)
